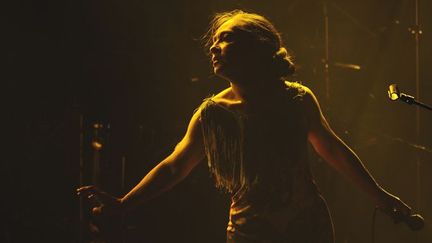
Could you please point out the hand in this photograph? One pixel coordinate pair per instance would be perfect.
(400, 211)
(105, 203)
(393, 206)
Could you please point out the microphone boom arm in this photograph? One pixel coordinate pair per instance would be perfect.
(411, 100)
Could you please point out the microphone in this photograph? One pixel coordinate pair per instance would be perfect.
(395, 94)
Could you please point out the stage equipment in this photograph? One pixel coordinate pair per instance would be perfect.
(395, 94)
(326, 60)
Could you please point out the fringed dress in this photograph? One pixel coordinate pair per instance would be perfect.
(260, 158)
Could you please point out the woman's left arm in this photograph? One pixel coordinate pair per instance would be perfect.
(336, 153)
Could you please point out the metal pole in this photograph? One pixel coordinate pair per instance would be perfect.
(416, 31)
(123, 173)
(81, 177)
(326, 60)
(123, 189)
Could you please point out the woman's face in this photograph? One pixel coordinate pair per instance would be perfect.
(230, 52)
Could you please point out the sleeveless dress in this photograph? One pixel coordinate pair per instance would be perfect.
(260, 158)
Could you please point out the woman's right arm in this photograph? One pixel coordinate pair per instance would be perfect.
(170, 171)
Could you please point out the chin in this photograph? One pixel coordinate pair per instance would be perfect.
(217, 70)
(221, 74)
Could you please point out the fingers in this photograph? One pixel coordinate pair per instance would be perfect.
(398, 210)
(92, 191)
(86, 190)
(394, 206)
(94, 194)
(399, 206)
(93, 198)
(97, 198)
(102, 202)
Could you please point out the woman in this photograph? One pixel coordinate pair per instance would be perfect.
(254, 135)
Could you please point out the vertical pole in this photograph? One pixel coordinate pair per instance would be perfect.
(417, 78)
(123, 189)
(326, 58)
(123, 173)
(81, 178)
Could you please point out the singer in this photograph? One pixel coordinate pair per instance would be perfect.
(254, 136)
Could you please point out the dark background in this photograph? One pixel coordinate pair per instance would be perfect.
(139, 69)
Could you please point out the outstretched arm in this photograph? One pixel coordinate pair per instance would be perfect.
(186, 155)
(336, 153)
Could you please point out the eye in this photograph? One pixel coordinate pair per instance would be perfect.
(226, 36)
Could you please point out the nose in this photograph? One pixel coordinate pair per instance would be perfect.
(214, 49)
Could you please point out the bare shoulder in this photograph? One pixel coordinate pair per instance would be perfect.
(309, 103)
(227, 99)
(224, 94)
(301, 92)
(222, 98)
(297, 89)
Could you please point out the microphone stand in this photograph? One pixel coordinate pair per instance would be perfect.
(81, 179)
(411, 100)
(326, 58)
(416, 31)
